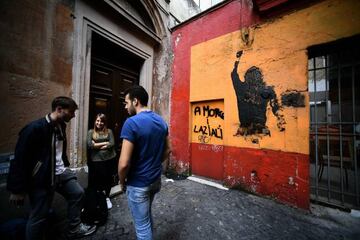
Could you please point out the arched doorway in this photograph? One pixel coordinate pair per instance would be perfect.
(115, 47)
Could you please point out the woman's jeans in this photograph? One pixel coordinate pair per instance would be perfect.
(139, 201)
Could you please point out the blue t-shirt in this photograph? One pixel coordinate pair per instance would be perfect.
(147, 131)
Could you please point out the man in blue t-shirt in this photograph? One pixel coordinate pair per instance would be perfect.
(145, 146)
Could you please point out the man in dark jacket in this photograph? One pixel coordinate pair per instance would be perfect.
(40, 168)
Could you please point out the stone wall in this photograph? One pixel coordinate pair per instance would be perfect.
(35, 61)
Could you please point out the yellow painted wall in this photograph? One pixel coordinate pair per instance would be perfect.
(279, 49)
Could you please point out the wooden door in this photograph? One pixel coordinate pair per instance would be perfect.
(107, 85)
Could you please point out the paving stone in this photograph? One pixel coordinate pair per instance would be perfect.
(188, 210)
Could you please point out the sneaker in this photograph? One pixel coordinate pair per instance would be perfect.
(81, 230)
(108, 202)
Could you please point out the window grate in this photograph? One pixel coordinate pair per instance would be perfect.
(333, 85)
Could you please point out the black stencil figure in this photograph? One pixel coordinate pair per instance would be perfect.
(253, 97)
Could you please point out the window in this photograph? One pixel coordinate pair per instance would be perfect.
(334, 89)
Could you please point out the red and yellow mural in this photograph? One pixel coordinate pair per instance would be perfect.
(258, 70)
(207, 138)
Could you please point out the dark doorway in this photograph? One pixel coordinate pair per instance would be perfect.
(113, 70)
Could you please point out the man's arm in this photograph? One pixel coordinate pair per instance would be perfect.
(234, 75)
(124, 162)
(275, 109)
(18, 173)
(273, 100)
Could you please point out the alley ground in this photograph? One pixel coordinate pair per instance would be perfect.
(188, 210)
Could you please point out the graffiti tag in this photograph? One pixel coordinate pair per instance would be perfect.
(209, 130)
(204, 138)
(209, 112)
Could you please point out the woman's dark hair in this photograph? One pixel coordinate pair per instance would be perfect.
(63, 102)
(139, 93)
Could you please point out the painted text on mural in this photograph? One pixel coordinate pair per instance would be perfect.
(207, 122)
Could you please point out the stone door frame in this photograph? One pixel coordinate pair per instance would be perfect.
(88, 20)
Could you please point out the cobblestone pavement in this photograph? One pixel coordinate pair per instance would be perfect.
(189, 210)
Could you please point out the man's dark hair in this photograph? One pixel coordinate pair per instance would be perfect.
(64, 102)
(139, 93)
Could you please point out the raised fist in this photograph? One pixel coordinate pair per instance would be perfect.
(239, 53)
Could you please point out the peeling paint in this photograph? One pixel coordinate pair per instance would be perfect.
(177, 39)
(293, 99)
(291, 181)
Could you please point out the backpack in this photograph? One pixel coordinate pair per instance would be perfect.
(95, 208)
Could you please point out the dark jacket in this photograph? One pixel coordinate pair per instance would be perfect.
(34, 162)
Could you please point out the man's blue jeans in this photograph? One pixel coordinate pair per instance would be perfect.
(140, 200)
(41, 199)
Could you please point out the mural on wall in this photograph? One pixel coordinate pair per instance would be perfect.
(253, 97)
(292, 99)
(208, 122)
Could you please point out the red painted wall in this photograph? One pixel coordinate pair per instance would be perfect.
(265, 172)
(224, 20)
(208, 159)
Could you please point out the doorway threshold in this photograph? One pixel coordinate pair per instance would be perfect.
(207, 182)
